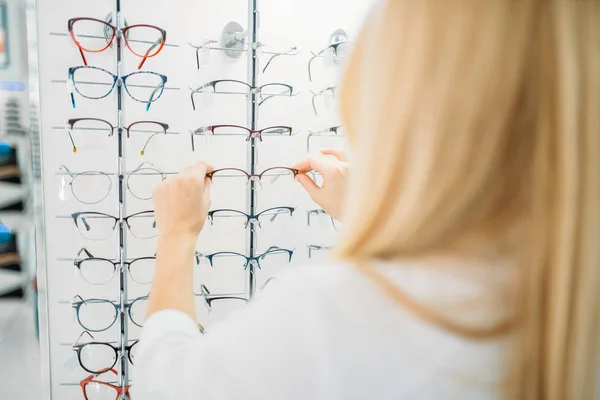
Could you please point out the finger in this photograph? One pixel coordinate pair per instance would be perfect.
(339, 154)
(206, 195)
(309, 185)
(197, 171)
(208, 168)
(312, 163)
(302, 166)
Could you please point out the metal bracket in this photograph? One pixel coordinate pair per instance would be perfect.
(233, 39)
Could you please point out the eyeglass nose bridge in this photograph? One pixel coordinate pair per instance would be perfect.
(253, 263)
(253, 222)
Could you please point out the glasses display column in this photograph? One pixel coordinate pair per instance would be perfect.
(132, 92)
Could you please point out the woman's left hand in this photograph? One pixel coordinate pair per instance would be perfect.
(181, 203)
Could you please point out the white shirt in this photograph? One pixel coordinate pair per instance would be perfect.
(321, 332)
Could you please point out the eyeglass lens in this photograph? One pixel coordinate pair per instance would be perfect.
(142, 182)
(91, 187)
(93, 83)
(96, 315)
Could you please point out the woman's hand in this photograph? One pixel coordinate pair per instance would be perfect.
(181, 203)
(330, 195)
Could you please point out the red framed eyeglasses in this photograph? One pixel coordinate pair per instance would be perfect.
(95, 36)
(94, 389)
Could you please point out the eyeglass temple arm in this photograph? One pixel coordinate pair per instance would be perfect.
(85, 223)
(199, 255)
(154, 45)
(310, 66)
(198, 90)
(80, 336)
(74, 299)
(145, 163)
(156, 89)
(291, 51)
(87, 253)
(202, 129)
(69, 128)
(264, 285)
(143, 151)
(204, 290)
(67, 170)
(313, 102)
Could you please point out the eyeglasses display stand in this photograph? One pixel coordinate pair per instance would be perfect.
(131, 91)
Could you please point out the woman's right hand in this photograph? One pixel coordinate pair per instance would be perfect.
(330, 195)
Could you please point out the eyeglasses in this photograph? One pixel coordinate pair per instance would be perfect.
(144, 41)
(336, 50)
(94, 389)
(320, 212)
(91, 187)
(328, 93)
(218, 259)
(269, 214)
(97, 357)
(97, 315)
(100, 226)
(230, 86)
(207, 46)
(96, 83)
(102, 126)
(236, 130)
(100, 271)
(274, 173)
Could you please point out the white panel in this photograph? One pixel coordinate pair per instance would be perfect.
(306, 24)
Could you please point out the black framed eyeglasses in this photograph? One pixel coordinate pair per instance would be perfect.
(100, 226)
(92, 125)
(98, 315)
(100, 271)
(97, 357)
(232, 86)
(268, 214)
(220, 258)
(237, 130)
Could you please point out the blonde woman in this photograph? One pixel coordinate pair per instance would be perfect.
(469, 263)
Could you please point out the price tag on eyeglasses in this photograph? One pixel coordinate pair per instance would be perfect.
(204, 55)
(208, 139)
(207, 98)
(328, 99)
(62, 192)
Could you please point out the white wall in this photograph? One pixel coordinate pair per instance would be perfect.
(306, 24)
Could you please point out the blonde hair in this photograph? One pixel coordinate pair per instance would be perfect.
(474, 125)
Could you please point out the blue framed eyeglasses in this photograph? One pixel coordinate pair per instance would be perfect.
(96, 83)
